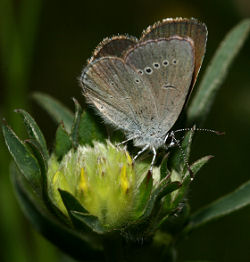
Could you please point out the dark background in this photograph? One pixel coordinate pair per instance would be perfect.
(66, 34)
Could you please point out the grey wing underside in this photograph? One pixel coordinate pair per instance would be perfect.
(133, 99)
(116, 89)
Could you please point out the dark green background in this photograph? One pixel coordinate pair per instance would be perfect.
(66, 34)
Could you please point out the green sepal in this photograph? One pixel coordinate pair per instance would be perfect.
(69, 241)
(71, 204)
(55, 109)
(146, 225)
(90, 130)
(38, 153)
(143, 195)
(91, 221)
(168, 188)
(176, 158)
(164, 188)
(63, 142)
(163, 167)
(35, 147)
(34, 131)
(75, 127)
(24, 159)
(175, 221)
(36, 150)
(195, 167)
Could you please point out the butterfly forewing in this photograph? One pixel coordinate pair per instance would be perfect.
(118, 86)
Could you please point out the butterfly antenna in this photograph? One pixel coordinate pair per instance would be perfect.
(177, 142)
(199, 129)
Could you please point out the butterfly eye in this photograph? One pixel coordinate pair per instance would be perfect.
(165, 63)
(148, 70)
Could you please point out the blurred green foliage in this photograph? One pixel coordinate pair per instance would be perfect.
(43, 47)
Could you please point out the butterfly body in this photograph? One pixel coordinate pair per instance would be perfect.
(141, 86)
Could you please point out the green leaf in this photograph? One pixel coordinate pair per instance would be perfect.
(195, 167)
(169, 188)
(164, 188)
(221, 207)
(34, 131)
(143, 194)
(55, 109)
(25, 161)
(90, 130)
(75, 126)
(63, 143)
(176, 218)
(71, 204)
(163, 167)
(216, 72)
(69, 241)
(91, 221)
(36, 150)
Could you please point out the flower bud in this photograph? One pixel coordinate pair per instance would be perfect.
(102, 178)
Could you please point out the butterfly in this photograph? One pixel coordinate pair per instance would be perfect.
(141, 85)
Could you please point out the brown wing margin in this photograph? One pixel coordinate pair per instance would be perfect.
(113, 46)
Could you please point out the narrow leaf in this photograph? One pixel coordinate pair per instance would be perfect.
(90, 129)
(221, 207)
(90, 220)
(169, 188)
(36, 150)
(43, 164)
(72, 204)
(163, 189)
(143, 194)
(163, 167)
(34, 131)
(195, 167)
(25, 161)
(216, 72)
(63, 143)
(55, 109)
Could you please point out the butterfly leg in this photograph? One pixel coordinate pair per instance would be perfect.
(140, 152)
(125, 141)
(153, 159)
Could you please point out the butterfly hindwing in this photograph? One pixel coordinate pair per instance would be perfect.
(168, 66)
(182, 27)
